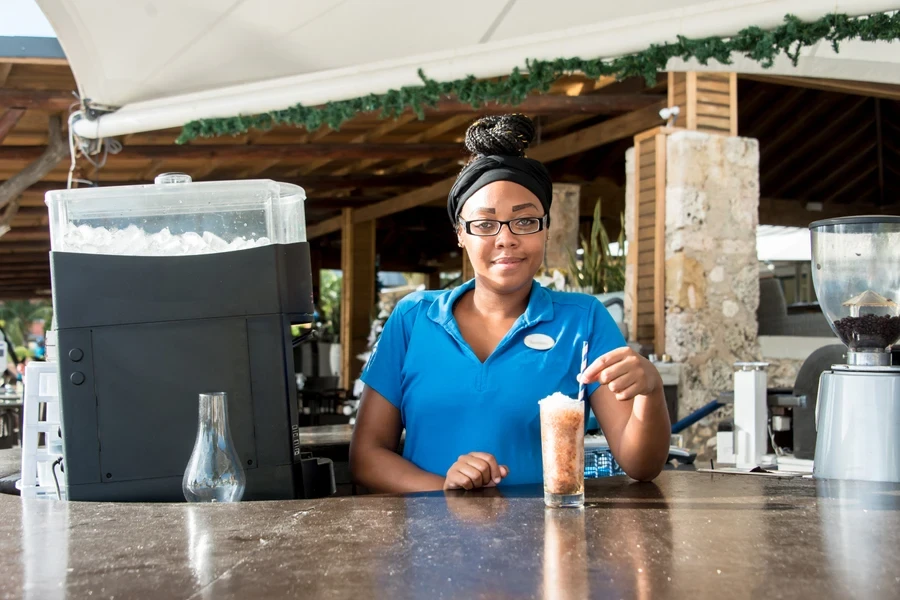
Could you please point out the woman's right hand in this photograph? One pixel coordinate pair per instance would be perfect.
(474, 470)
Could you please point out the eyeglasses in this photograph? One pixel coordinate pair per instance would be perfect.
(489, 227)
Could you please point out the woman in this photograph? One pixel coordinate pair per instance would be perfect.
(462, 370)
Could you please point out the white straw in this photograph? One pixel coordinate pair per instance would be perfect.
(584, 352)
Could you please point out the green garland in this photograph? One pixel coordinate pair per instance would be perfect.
(753, 42)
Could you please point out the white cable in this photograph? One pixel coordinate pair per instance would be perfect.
(110, 146)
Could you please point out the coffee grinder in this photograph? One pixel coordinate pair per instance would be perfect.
(856, 273)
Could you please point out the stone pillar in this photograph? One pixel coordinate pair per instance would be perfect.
(563, 233)
(712, 277)
(629, 228)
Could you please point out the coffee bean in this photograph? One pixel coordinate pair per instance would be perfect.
(868, 331)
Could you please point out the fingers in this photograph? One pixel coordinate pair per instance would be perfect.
(624, 382)
(475, 470)
(494, 474)
(480, 474)
(592, 372)
(629, 392)
(457, 479)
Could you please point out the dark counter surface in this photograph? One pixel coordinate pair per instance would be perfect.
(688, 535)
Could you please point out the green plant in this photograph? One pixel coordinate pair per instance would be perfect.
(599, 270)
(18, 315)
(330, 306)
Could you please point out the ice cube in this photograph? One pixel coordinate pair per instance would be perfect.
(214, 242)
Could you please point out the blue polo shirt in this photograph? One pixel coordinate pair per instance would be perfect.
(452, 404)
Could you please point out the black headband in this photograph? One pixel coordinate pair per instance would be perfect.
(527, 172)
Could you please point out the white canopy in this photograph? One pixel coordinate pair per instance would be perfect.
(167, 62)
(774, 243)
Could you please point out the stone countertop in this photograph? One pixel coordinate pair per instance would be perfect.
(687, 535)
(10, 461)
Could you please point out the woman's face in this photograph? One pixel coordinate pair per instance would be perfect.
(504, 262)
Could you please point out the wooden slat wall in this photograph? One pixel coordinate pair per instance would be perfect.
(647, 246)
(707, 101)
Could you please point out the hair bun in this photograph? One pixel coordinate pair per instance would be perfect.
(505, 135)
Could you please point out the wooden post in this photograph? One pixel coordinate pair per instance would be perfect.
(357, 293)
(706, 101)
(434, 280)
(659, 249)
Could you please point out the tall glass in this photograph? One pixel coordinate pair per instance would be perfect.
(562, 449)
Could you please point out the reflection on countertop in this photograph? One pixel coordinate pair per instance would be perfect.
(691, 535)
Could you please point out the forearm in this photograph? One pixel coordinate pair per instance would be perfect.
(644, 446)
(384, 471)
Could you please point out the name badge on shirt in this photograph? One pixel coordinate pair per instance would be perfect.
(539, 341)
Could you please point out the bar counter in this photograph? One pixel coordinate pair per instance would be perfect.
(686, 535)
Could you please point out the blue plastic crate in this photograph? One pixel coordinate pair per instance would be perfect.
(599, 462)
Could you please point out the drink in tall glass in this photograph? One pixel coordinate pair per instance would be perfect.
(562, 449)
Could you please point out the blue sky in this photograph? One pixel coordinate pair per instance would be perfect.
(23, 18)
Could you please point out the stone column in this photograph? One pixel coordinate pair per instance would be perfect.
(629, 228)
(712, 277)
(563, 233)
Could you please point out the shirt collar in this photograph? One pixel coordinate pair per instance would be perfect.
(540, 305)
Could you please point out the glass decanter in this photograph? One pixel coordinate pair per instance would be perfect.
(214, 472)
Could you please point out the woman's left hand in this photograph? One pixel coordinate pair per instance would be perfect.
(625, 372)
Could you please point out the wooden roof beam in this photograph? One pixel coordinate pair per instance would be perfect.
(793, 213)
(5, 68)
(46, 100)
(812, 147)
(285, 152)
(590, 137)
(319, 182)
(34, 257)
(13, 248)
(441, 128)
(22, 267)
(26, 234)
(554, 104)
(850, 168)
(858, 88)
(372, 134)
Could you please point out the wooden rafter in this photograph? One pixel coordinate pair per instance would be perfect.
(285, 152)
(772, 120)
(372, 134)
(5, 69)
(794, 214)
(45, 100)
(441, 128)
(824, 189)
(859, 88)
(319, 182)
(812, 147)
(847, 184)
(597, 135)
